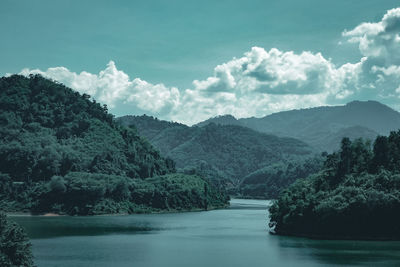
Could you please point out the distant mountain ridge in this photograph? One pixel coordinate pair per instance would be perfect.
(223, 152)
(321, 127)
(258, 157)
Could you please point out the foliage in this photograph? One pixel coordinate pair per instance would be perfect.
(224, 154)
(80, 193)
(15, 248)
(149, 126)
(268, 182)
(55, 142)
(47, 129)
(355, 195)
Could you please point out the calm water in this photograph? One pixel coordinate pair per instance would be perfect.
(237, 236)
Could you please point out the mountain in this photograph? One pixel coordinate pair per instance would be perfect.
(149, 126)
(268, 182)
(62, 152)
(322, 127)
(221, 120)
(224, 153)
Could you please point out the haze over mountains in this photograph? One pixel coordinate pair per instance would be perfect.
(323, 127)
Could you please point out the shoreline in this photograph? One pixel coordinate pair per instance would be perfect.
(51, 214)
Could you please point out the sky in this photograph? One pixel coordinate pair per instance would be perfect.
(186, 60)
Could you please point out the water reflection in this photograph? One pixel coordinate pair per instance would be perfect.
(339, 252)
(50, 227)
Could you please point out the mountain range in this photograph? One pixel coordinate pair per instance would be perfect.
(258, 157)
(224, 153)
(323, 127)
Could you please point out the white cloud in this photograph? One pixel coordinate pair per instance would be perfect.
(260, 82)
(114, 88)
(392, 70)
(380, 39)
(379, 43)
(84, 82)
(280, 73)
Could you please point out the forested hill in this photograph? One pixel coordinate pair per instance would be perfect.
(323, 127)
(62, 151)
(225, 153)
(147, 125)
(355, 195)
(47, 129)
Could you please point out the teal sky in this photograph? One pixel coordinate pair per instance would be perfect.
(173, 42)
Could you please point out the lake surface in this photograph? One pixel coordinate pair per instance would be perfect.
(237, 236)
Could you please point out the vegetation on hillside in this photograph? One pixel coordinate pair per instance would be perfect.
(149, 126)
(268, 182)
(15, 248)
(93, 194)
(224, 153)
(56, 142)
(355, 195)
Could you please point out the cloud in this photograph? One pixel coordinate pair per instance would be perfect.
(280, 73)
(114, 88)
(379, 44)
(260, 82)
(380, 39)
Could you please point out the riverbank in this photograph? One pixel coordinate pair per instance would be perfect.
(147, 211)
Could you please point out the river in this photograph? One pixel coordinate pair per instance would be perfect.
(237, 236)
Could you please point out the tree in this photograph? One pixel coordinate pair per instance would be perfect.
(15, 248)
(205, 196)
(362, 203)
(62, 152)
(381, 155)
(345, 158)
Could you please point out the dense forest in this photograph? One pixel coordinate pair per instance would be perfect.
(63, 152)
(226, 154)
(323, 127)
(355, 195)
(15, 248)
(268, 182)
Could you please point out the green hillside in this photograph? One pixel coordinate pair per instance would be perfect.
(54, 140)
(224, 153)
(268, 182)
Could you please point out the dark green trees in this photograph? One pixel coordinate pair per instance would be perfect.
(47, 129)
(62, 152)
(80, 193)
(355, 195)
(345, 159)
(15, 248)
(268, 182)
(381, 154)
(225, 154)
